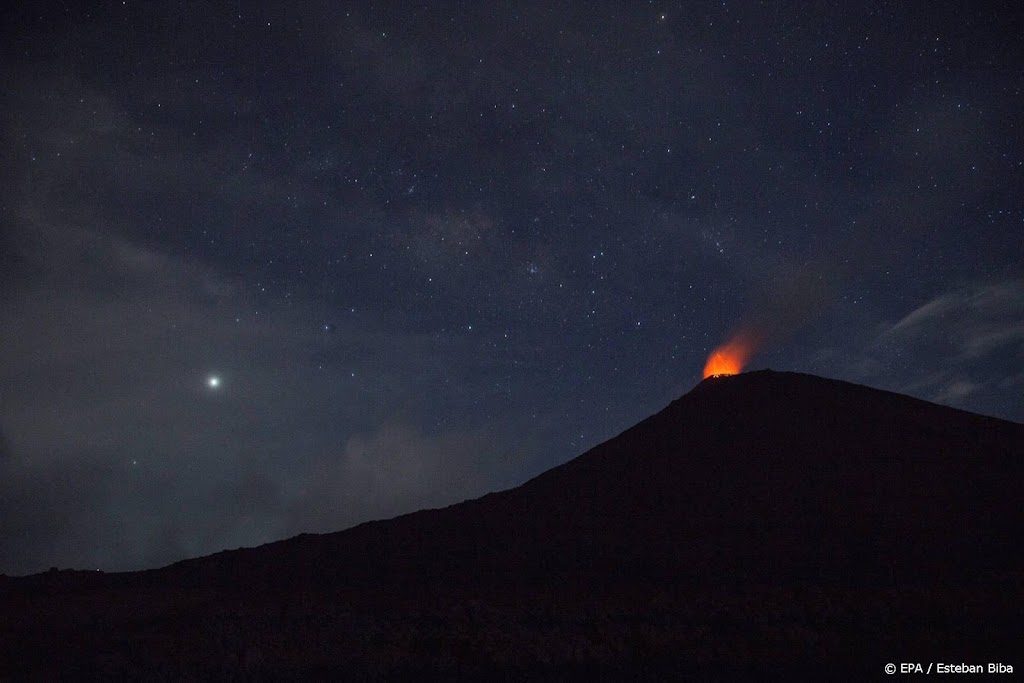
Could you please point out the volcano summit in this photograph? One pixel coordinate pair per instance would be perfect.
(763, 523)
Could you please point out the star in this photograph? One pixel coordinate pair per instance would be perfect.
(213, 381)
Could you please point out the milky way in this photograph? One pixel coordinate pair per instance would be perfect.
(267, 269)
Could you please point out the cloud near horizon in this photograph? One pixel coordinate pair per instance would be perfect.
(117, 453)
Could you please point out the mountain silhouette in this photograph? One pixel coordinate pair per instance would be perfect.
(763, 524)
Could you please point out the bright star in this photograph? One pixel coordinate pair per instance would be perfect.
(213, 381)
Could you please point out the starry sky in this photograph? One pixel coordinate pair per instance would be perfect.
(271, 268)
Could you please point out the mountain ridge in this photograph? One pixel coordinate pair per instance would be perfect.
(713, 383)
(743, 491)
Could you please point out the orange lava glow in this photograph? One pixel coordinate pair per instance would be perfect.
(730, 357)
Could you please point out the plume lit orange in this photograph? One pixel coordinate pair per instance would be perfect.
(730, 357)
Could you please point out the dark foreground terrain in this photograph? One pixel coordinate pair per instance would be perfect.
(763, 525)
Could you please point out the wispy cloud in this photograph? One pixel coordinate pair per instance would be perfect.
(977, 331)
(975, 321)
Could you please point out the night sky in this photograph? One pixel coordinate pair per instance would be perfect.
(271, 268)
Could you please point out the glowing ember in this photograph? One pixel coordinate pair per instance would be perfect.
(729, 358)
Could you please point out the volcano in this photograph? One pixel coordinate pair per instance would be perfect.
(764, 524)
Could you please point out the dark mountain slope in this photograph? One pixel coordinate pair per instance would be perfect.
(767, 516)
(762, 476)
